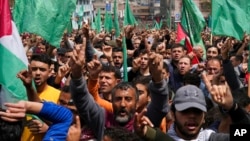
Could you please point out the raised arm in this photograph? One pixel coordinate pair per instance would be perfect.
(94, 68)
(88, 109)
(158, 87)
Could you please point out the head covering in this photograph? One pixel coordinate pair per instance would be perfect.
(189, 96)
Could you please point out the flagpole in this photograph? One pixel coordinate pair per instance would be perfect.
(189, 28)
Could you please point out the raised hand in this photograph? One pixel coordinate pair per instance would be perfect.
(107, 51)
(26, 77)
(85, 30)
(220, 91)
(63, 70)
(77, 61)
(74, 132)
(136, 64)
(141, 122)
(225, 48)
(246, 38)
(128, 30)
(94, 67)
(156, 66)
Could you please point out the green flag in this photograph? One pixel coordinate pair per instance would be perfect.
(160, 24)
(46, 18)
(231, 18)
(93, 25)
(69, 27)
(125, 63)
(193, 22)
(108, 23)
(156, 25)
(129, 18)
(116, 21)
(98, 21)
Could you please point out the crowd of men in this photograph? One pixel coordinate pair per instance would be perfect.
(81, 93)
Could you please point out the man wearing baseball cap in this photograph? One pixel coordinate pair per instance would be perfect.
(189, 109)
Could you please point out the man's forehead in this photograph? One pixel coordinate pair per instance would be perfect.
(129, 92)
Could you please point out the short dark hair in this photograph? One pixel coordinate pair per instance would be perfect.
(41, 58)
(110, 68)
(144, 81)
(165, 67)
(11, 131)
(178, 46)
(192, 78)
(210, 46)
(120, 134)
(125, 86)
(217, 58)
(116, 49)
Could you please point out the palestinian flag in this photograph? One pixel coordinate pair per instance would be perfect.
(12, 58)
(181, 34)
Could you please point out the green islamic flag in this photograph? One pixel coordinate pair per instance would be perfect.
(125, 63)
(116, 21)
(108, 22)
(92, 24)
(231, 18)
(98, 21)
(129, 18)
(46, 18)
(193, 22)
(69, 27)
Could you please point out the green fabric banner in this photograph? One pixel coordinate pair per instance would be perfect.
(231, 18)
(116, 21)
(192, 21)
(46, 18)
(129, 18)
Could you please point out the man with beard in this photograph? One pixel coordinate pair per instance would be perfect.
(40, 68)
(124, 98)
(189, 109)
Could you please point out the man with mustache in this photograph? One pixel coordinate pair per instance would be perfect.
(124, 98)
(189, 109)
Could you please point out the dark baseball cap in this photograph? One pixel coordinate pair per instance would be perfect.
(189, 96)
